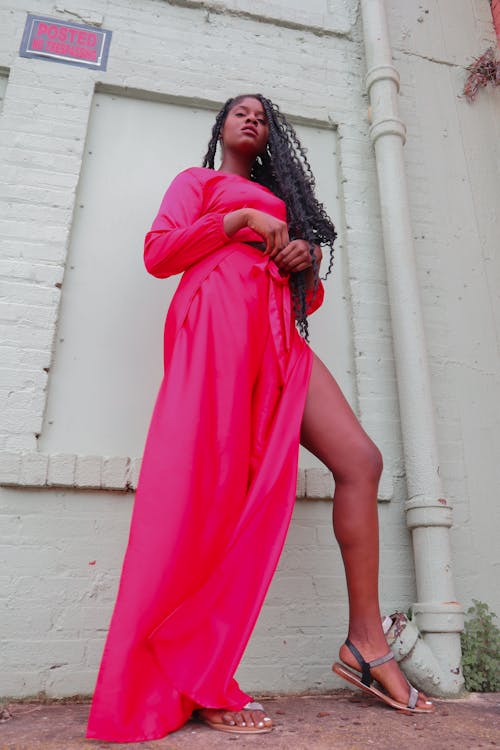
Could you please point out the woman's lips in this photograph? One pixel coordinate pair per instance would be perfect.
(249, 131)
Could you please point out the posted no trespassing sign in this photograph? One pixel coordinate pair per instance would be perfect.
(70, 43)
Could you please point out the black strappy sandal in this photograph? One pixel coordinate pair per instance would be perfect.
(365, 682)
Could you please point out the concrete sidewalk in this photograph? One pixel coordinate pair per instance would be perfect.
(346, 720)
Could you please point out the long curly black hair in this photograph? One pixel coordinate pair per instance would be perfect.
(285, 170)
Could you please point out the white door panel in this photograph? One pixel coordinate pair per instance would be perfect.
(108, 359)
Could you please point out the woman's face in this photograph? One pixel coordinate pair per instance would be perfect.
(246, 128)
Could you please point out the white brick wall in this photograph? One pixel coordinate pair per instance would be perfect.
(38, 133)
(61, 546)
(453, 184)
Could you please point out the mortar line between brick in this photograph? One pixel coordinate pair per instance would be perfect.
(407, 53)
(217, 9)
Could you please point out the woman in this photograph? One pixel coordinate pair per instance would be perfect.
(217, 482)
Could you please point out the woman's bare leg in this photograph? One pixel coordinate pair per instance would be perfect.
(331, 431)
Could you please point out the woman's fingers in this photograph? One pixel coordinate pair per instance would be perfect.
(280, 240)
(275, 238)
(272, 230)
(302, 266)
(269, 243)
(290, 257)
(294, 257)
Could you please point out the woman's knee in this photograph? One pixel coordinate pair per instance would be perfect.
(365, 464)
(375, 461)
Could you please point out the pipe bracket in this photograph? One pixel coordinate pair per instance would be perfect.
(439, 617)
(382, 73)
(424, 510)
(388, 126)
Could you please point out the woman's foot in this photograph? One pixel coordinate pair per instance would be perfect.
(250, 719)
(388, 674)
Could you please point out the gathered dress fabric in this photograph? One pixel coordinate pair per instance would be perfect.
(218, 476)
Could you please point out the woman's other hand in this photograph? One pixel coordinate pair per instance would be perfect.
(296, 256)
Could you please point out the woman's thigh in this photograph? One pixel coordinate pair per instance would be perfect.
(332, 432)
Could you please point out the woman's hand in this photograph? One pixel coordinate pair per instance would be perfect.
(273, 231)
(296, 256)
(288, 256)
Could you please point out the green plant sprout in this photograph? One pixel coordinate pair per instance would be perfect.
(481, 650)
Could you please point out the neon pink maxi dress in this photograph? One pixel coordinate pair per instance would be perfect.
(218, 476)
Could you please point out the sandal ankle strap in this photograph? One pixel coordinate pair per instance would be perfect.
(366, 677)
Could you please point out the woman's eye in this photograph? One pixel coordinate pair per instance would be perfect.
(259, 119)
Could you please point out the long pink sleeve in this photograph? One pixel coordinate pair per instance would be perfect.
(181, 234)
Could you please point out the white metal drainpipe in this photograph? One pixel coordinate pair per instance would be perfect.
(437, 615)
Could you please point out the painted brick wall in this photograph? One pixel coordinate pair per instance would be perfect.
(65, 517)
(53, 536)
(452, 161)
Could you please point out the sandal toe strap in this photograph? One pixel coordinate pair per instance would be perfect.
(253, 706)
(412, 701)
